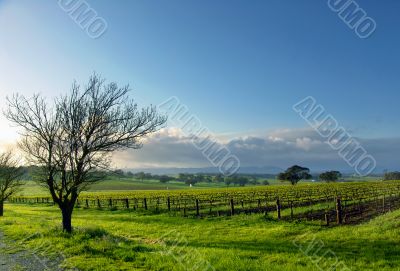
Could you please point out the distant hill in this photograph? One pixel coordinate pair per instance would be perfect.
(213, 170)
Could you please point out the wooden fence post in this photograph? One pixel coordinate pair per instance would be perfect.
(291, 210)
(197, 208)
(127, 203)
(158, 203)
(278, 208)
(383, 204)
(169, 204)
(98, 203)
(87, 203)
(327, 219)
(339, 211)
(232, 207)
(145, 203)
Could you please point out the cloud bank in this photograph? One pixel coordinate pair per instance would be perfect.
(280, 148)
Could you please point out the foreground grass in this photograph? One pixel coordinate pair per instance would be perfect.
(122, 240)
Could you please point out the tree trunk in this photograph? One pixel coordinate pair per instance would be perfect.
(67, 219)
(1, 208)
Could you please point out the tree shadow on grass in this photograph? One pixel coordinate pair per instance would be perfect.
(352, 251)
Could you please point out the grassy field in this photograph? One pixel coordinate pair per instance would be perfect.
(123, 240)
(127, 240)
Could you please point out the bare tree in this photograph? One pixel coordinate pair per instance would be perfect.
(10, 176)
(75, 138)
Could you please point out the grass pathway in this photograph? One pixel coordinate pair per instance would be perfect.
(12, 258)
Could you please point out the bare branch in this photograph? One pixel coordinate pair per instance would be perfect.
(72, 140)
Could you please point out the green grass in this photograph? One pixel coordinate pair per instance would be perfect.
(123, 240)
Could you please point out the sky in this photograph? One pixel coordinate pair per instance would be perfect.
(239, 66)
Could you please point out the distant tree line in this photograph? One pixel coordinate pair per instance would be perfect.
(193, 179)
(330, 176)
(390, 176)
(297, 173)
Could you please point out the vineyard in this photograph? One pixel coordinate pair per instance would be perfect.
(330, 203)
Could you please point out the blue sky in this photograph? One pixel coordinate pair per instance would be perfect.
(238, 65)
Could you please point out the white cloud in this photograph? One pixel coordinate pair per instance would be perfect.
(281, 148)
(170, 147)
